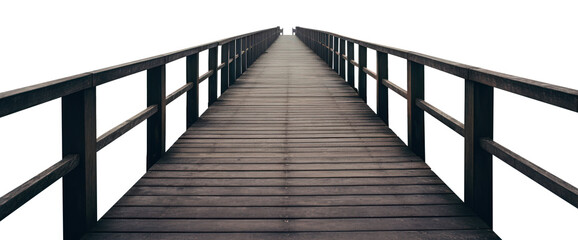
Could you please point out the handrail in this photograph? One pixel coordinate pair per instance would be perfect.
(478, 127)
(79, 141)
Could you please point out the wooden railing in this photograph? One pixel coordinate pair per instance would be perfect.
(79, 141)
(479, 104)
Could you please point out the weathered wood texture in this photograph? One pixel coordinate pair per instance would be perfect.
(290, 152)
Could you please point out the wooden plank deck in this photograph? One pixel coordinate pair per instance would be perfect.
(290, 152)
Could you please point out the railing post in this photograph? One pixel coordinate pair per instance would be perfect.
(479, 123)
(156, 82)
(350, 70)
(382, 94)
(249, 51)
(335, 56)
(238, 61)
(213, 78)
(233, 65)
(362, 78)
(225, 69)
(329, 55)
(341, 60)
(245, 54)
(79, 186)
(192, 66)
(415, 116)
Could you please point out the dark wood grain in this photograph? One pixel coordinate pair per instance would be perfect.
(549, 181)
(362, 76)
(290, 150)
(114, 133)
(382, 93)
(397, 89)
(79, 185)
(444, 118)
(213, 78)
(415, 115)
(23, 193)
(192, 74)
(556, 95)
(479, 123)
(156, 123)
(225, 69)
(350, 70)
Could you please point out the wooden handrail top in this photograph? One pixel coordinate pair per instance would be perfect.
(19, 99)
(556, 95)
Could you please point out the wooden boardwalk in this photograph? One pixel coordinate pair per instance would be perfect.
(290, 152)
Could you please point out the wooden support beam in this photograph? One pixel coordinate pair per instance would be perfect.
(479, 123)
(192, 66)
(225, 69)
(415, 116)
(341, 60)
(350, 67)
(382, 97)
(213, 78)
(156, 124)
(362, 76)
(79, 185)
(233, 65)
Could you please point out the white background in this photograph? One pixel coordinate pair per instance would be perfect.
(46, 40)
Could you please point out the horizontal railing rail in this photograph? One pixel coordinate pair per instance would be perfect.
(79, 141)
(478, 128)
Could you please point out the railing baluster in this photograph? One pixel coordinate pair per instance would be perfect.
(415, 115)
(79, 186)
(238, 61)
(341, 60)
(335, 56)
(156, 125)
(382, 94)
(225, 69)
(192, 67)
(244, 41)
(213, 78)
(350, 70)
(362, 78)
(329, 43)
(479, 123)
(233, 65)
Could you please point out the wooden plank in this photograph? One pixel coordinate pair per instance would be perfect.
(290, 174)
(288, 166)
(369, 235)
(294, 225)
(287, 182)
(288, 212)
(287, 191)
(286, 201)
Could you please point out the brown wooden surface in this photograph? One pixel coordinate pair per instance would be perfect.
(290, 152)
